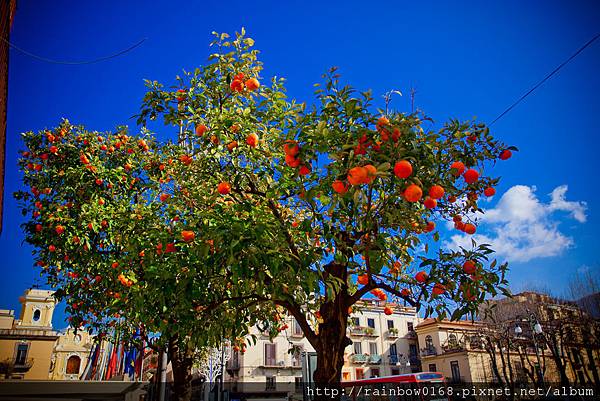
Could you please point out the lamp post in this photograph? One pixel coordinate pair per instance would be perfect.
(536, 329)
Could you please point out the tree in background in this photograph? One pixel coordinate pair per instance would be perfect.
(261, 206)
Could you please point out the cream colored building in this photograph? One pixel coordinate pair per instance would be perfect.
(454, 349)
(382, 345)
(26, 343)
(70, 355)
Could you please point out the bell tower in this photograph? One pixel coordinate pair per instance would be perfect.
(37, 309)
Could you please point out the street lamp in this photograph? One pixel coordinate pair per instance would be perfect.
(518, 330)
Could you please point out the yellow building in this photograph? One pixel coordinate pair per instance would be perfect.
(70, 355)
(26, 344)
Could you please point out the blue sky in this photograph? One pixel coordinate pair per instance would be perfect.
(465, 59)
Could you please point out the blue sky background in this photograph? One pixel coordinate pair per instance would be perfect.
(465, 59)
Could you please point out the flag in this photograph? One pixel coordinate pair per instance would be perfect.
(130, 359)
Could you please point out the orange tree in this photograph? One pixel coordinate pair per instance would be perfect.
(122, 255)
(263, 205)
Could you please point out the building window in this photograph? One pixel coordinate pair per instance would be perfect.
(270, 383)
(393, 349)
(390, 324)
(297, 355)
(410, 326)
(297, 330)
(36, 315)
(412, 351)
(73, 364)
(356, 321)
(374, 372)
(270, 355)
(452, 341)
(21, 354)
(429, 343)
(346, 376)
(432, 367)
(360, 374)
(395, 371)
(371, 323)
(373, 349)
(357, 347)
(455, 371)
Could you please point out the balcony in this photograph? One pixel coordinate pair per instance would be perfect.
(411, 334)
(394, 359)
(359, 358)
(375, 359)
(428, 351)
(357, 331)
(392, 333)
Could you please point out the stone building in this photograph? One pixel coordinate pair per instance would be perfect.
(26, 344)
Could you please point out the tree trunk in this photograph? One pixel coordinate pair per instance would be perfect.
(181, 362)
(332, 339)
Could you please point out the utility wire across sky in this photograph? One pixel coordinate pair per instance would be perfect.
(546, 78)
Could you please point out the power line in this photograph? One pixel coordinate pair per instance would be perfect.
(52, 61)
(546, 78)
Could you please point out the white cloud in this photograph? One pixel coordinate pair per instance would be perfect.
(521, 227)
(559, 202)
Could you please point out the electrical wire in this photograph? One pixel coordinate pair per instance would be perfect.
(52, 61)
(546, 78)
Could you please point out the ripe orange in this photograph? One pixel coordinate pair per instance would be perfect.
(403, 169)
(186, 159)
(471, 176)
(236, 85)
(224, 188)
(304, 170)
(382, 122)
(201, 129)
(252, 140)
(292, 161)
(294, 224)
(470, 228)
(232, 145)
(340, 187)
(469, 267)
(459, 167)
(252, 84)
(59, 229)
(363, 279)
(505, 154)
(164, 197)
(438, 289)
(371, 173)
(456, 218)
(405, 292)
(387, 310)
(489, 191)
(188, 236)
(436, 192)
(429, 227)
(421, 277)
(430, 203)
(357, 175)
(291, 148)
(51, 248)
(413, 193)
(84, 159)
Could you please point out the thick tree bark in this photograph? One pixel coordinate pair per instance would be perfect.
(181, 362)
(332, 340)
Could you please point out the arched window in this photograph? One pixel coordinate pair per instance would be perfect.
(36, 315)
(452, 341)
(73, 364)
(428, 343)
